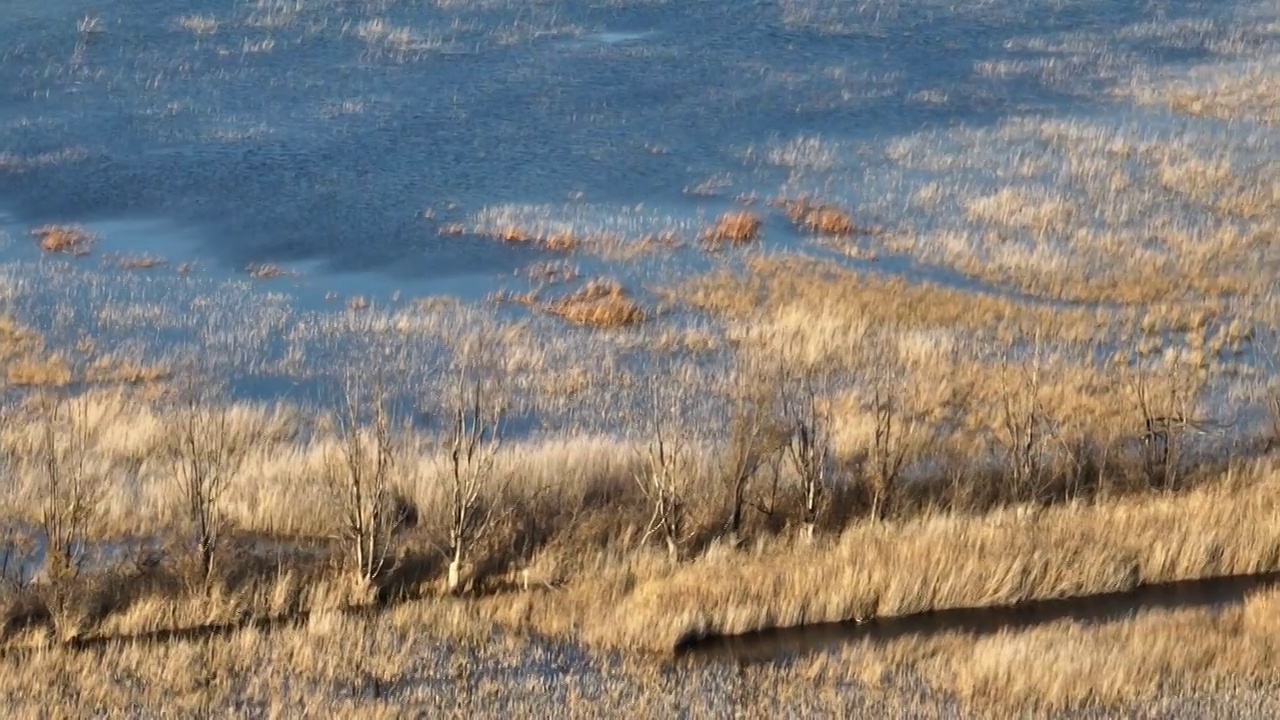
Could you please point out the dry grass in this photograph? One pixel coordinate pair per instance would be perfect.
(951, 562)
(599, 304)
(735, 228)
(823, 305)
(1090, 212)
(1072, 247)
(138, 262)
(824, 219)
(567, 559)
(26, 360)
(1071, 666)
(1241, 91)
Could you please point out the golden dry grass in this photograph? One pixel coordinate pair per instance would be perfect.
(824, 219)
(1240, 91)
(823, 305)
(1083, 211)
(588, 579)
(735, 228)
(951, 562)
(1072, 666)
(599, 304)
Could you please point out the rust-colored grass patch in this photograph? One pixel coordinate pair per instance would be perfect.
(600, 304)
(819, 218)
(558, 241)
(69, 239)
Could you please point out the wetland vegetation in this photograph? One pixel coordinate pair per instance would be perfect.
(495, 355)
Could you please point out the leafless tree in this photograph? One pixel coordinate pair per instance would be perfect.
(663, 475)
(472, 445)
(207, 452)
(755, 436)
(809, 446)
(1023, 428)
(71, 489)
(1166, 414)
(360, 475)
(898, 435)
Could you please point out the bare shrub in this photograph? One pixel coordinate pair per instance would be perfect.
(898, 436)
(664, 474)
(473, 440)
(1164, 398)
(359, 477)
(71, 488)
(808, 448)
(1022, 429)
(207, 451)
(754, 438)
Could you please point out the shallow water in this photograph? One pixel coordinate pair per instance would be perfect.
(335, 139)
(307, 132)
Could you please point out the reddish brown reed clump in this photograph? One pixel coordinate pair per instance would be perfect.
(515, 235)
(266, 271)
(734, 227)
(560, 241)
(817, 217)
(70, 239)
(600, 304)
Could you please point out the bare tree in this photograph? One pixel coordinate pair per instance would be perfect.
(207, 451)
(473, 442)
(360, 481)
(809, 445)
(71, 491)
(663, 477)
(898, 436)
(1166, 417)
(754, 437)
(1023, 428)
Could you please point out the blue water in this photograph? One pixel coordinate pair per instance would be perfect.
(286, 137)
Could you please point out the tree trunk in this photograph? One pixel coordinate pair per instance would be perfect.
(455, 569)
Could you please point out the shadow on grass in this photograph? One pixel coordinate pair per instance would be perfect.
(781, 645)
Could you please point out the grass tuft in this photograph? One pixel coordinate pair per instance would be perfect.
(735, 228)
(69, 239)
